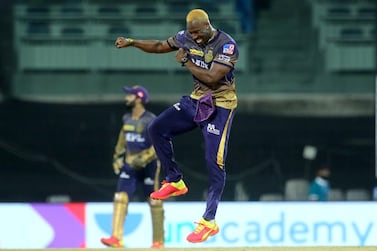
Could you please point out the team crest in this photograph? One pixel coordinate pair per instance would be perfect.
(208, 57)
(139, 128)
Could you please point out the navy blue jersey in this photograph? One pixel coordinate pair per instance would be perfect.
(136, 133)
(222, 49)
(133, 142)
(133, 137)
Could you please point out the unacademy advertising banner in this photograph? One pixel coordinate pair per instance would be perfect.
(242, 224)
(42, 225)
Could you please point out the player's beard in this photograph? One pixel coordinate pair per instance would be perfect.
(131, 104)
(208, 33)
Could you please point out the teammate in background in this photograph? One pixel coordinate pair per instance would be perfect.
(319, 188)
(136, 163)
(210, 55)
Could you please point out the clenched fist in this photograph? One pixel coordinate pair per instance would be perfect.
(138, 162)
(122, 42)
(181, 56)
(117, 165)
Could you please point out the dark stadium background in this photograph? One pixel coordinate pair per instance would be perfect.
(49, 147)
(42, 144)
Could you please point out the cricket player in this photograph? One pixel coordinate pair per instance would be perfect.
(135, 162)
(210, 55)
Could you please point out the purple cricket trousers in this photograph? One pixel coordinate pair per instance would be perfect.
(178, 119)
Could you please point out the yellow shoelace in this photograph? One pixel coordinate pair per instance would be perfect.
(199, 228)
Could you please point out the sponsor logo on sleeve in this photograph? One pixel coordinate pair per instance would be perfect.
(223, 57)
(228, 48)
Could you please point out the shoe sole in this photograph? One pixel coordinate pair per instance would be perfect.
(212, 233)
(112, 245)
(178, 193)
(162, 246)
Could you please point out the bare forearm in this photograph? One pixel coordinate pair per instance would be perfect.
(150, 46)
(210, 76)
(120, 146)
(203, 75)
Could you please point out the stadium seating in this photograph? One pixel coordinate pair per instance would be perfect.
(345, 34)
(336, 195)
(68, 27)
(271, 197)
(38, 28)
(357, 195)
(296, 190)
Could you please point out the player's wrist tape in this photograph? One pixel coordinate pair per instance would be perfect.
(184, 60)
(130, 40)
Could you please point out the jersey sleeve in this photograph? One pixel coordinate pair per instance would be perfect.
(177, 41)
(227, 54)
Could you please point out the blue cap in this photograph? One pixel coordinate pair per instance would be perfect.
(139, 91)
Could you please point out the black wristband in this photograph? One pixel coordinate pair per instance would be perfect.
(184, 60)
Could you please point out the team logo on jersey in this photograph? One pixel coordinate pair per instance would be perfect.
(134, 137)
(140, 128)
(208, 57)
(223, 57)
(128, 127)
(177, 106)
(196, 52)
(124, 175)
(211, 128)
(228, 48)
(148, 181)
(201, 64)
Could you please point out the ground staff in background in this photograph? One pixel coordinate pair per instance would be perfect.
(135, 162)
(210, 55)
(320, 187)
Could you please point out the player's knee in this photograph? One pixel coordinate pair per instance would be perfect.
(121, 197)
(155, 203)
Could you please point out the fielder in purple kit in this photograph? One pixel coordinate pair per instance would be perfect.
(135, 163)
(210, 55)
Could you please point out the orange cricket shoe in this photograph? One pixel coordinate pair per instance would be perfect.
(169, 189)
(112, 242)
(157, 244)
(204, 230)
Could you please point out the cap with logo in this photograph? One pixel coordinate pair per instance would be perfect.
(139, 91)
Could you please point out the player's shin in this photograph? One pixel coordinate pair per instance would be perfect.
(157, 213)
(119, 214)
